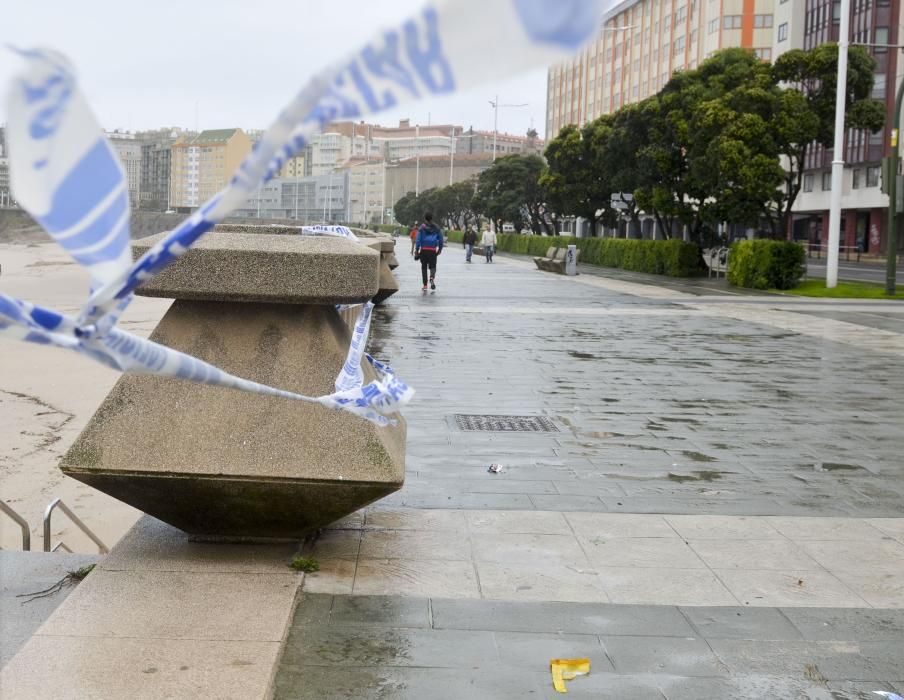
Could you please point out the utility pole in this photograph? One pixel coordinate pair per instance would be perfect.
(838, 148)
(496, 107)
(296, 190)
(383, 194)
(417, 162)
(451, 153)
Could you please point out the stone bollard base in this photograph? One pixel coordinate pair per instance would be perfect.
(221, 463)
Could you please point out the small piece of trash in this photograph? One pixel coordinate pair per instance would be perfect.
(800, 582)
(566, 670)
(495, 469)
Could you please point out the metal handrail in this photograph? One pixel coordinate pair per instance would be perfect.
(48, 512)
(22, 523)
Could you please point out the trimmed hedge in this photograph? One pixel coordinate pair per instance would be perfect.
(765, 264)
(674, 258)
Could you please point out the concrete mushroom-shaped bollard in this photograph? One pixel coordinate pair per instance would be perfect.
(217, 462)
(388, 283)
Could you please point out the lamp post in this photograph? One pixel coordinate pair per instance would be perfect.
(496, 107)
(838, 147)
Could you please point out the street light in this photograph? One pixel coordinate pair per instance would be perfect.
(838, 148)
(496, 107)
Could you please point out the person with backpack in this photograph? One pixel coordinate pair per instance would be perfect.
(488, 241)
(427, 247)
(469, 240)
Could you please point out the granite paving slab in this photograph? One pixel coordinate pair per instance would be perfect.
(489, 649)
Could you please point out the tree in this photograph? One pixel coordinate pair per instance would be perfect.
(509, 191)
(406, 210)
(460, 203)
(573, 183)
(805, 116)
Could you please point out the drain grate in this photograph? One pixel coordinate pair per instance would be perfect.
(505, 424)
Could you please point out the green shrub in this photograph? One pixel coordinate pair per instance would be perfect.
(766, 264)
(673, 257)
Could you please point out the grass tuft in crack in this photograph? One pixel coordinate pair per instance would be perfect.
(306, 564)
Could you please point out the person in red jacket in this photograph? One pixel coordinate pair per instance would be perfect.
(413, 236)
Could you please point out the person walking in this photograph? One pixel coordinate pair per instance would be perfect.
(488, 241)
(412, 234)
(469, 240)
(428, 245)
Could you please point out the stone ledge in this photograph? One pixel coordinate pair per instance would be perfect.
(267, 267)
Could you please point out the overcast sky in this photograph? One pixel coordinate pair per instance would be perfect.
(225, 63)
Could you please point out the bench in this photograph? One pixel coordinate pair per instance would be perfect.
(716, 260)
(555, 260)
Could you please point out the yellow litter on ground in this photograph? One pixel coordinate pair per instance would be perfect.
(566, 670)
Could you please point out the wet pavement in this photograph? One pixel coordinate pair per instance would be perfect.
(711, 509)
(391, 647)
(665, 402)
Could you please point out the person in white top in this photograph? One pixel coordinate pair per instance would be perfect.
(488, 241)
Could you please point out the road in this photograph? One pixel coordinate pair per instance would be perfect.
(853, 271)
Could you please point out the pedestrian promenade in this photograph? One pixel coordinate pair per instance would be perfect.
(716, 511)
(699, 490)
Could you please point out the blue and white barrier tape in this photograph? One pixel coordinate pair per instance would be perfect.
(65, 173)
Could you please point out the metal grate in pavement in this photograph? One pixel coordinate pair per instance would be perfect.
(505, 424)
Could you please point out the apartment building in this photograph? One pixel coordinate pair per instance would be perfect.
(312, 199)
(642, 43)
(417, 175)
(475, 142)
(295, 166)
(202, 165)
(128, 149)
(156, 157)
(366, 198)
(810, 23)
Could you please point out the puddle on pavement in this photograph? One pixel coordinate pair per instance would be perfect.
(837, 467)
(673, 419)
(699, 475)
(698, 456)
(360, 650)
(583, 355)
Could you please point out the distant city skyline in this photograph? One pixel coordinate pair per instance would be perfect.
(237, 65)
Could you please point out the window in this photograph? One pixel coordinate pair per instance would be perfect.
(713, 26)
(881, 37)
(762, 21)
(855, 184)
(827, 181)
(879, 86)
(783, 31)
(763, 54)
(731, 22)
(808, 182)
(679, 45)
(681, 14)
(872, 176)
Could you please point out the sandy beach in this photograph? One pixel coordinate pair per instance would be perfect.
(47, 395)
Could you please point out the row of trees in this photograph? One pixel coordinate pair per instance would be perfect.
(727, 141)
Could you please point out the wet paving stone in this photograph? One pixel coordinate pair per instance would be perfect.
(487, 649)
(649, 395)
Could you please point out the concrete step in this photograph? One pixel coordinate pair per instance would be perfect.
(29, 572)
